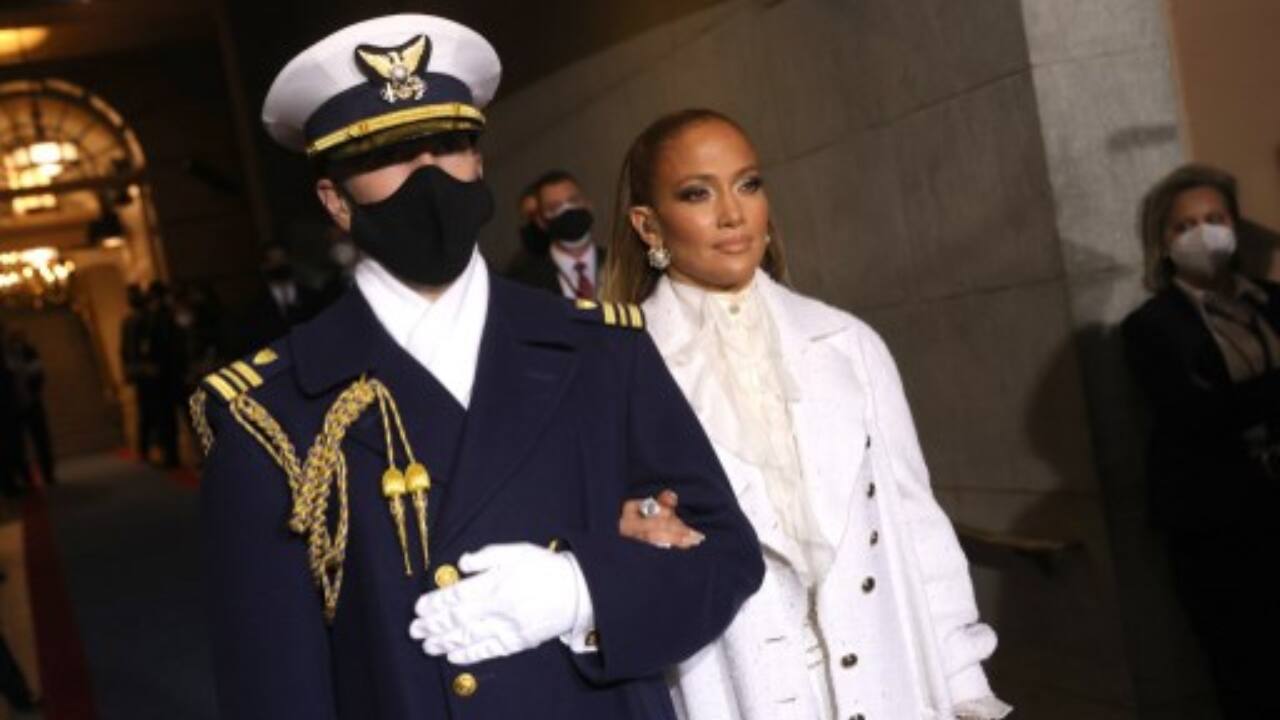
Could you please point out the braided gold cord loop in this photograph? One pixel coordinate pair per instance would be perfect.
(196, 405)
(313, 482)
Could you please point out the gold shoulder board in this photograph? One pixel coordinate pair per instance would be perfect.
(229, 383)
(623, 315)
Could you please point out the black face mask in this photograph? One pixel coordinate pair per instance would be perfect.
(534, 239)
(426, 230)
(570, 224)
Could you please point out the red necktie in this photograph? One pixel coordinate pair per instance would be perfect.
(586, 290)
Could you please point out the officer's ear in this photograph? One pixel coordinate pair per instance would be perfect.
(335, 203)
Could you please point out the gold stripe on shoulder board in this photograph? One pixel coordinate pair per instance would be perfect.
(249, 374)
(623, 319)
(222, 387)
(637, 317)
(610, 315)
(230, 376)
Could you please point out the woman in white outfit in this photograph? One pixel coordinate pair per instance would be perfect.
(867, 611)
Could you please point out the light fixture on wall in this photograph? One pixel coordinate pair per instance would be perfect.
(15, 43)
(37, 276)
(35, 166)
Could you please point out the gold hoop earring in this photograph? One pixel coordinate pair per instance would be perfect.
(659, 258)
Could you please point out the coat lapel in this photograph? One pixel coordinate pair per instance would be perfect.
(827, 402)
(526, 364)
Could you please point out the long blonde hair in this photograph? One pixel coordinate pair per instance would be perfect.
(627, 275)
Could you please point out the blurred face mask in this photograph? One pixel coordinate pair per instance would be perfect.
(426, 231)
(571, 226)
(344, 254)
(1204, 250)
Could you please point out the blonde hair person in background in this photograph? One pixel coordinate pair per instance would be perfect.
(1205, 350)
(867, 610)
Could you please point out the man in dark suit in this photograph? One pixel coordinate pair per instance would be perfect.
(157, 363)
(281, 302)
(571, 263)
(13, 471)
(411, 503)
(28, 372)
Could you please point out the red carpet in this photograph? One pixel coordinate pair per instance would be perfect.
(185, 477)
(64, 676)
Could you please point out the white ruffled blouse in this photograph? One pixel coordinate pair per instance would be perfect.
(737, 338)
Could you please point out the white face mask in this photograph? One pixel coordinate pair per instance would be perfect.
(1204, 250)
(344, 254)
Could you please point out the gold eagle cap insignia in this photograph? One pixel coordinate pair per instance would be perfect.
(399, 69)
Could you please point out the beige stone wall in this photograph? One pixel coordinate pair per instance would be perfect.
(962, 176)
(1228, 59)
(1109, 116)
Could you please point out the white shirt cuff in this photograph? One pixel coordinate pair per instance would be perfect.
(974, 699)
(986, 708)
(582, 637)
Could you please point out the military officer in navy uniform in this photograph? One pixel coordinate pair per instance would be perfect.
(411, 502)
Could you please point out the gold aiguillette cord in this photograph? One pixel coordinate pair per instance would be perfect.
(414, 481)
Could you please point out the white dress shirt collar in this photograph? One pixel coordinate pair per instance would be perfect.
(442, 334)
(567, 273)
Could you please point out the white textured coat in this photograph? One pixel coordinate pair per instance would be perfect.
(849, 407)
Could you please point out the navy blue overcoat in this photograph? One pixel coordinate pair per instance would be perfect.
(569, 417)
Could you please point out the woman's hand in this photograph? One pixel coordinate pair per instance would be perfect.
(664, 530)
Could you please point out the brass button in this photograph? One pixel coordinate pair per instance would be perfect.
(875, 537)
(871, 490)
(592, 639)
(465, 685)
(868, 585)
(849, 660)
(447, 575)
(554, 545)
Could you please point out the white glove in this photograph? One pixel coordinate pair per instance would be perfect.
(520, 596)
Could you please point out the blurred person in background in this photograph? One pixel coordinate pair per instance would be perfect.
(156, 361)
(1205, 349)
(131, 356)
(12, 465)
(561, 217)
(28, 375)
(198, 316)
(13, 684)
(867, 609)
(282, 301)
(533, 238)
(344, 255)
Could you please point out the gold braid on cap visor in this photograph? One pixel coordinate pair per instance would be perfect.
(465, 115)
